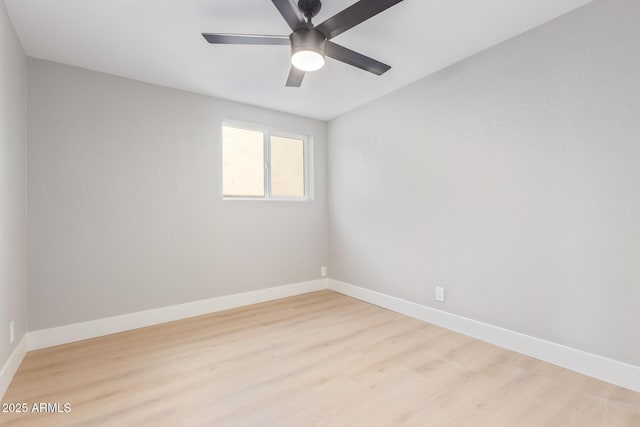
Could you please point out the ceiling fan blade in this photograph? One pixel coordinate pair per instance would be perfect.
(246, 39)
(295, 77)
(290, 13)
(354, 15)
(356, 59)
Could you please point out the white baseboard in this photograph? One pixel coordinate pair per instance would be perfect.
(602, 368)
(111, 325)
(11, 366)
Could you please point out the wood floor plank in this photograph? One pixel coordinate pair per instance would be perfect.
(315, 359)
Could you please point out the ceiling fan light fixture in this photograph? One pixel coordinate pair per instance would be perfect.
(307, 60)
(307, 49)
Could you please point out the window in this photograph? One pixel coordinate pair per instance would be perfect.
(259, 163)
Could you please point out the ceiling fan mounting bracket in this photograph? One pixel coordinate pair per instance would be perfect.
(309, 8)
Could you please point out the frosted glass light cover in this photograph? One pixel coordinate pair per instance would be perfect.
(307, 60)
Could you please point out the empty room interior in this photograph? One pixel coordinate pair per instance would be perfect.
(331, 213)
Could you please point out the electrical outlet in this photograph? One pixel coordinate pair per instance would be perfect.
(439, 294)
(12, 331)
(323, 271)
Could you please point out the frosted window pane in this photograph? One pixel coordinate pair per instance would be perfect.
(287, 167)
(243, 163)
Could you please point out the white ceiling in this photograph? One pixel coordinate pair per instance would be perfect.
(159, 41)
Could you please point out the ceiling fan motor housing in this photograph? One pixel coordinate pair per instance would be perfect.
(308, 39)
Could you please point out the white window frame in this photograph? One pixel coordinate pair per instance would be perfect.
(267, 133)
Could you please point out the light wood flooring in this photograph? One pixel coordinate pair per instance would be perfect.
(315, 359)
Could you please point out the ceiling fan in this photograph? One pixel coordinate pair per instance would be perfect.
(310, 43)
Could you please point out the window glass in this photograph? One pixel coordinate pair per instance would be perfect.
(243, 162)
(287, 167)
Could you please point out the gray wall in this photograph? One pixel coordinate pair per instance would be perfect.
(512, 179)
(125, 208)
(13, 286)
